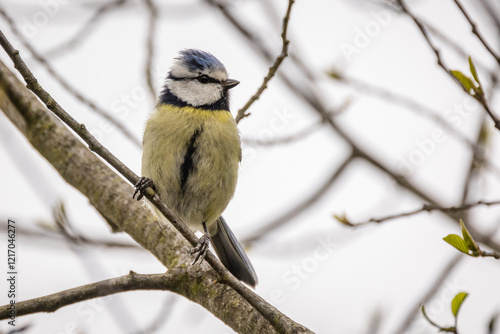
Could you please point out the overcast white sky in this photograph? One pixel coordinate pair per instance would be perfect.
(328, 277)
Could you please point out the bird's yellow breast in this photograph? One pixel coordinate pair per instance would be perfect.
(210, 181)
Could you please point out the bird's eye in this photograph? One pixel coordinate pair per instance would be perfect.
(204, 79)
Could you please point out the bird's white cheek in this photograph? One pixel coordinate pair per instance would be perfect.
(196, 93)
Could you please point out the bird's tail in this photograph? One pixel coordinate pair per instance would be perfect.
(232, 255)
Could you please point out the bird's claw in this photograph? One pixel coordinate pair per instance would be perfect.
(201, 248)
(141, 185)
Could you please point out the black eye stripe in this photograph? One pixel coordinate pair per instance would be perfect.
(201, 78)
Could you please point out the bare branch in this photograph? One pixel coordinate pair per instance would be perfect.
(431, 291)
(401, 100)
(452, 263)
(315, 101)
(477, 97)
(491, 12)
(169, 281)
(476, 32)
(451, 44)
(493, 254)
(310, 96)
(276, 319)
(150, 47)
(66, 85)
(242, 113)
(424, 208)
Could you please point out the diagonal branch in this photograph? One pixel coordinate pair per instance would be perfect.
(424, 208)
(113, 194)
(477, 97)
(476, 32)
(315, 102)
(242, 113)
(66, 85)
(438, 281)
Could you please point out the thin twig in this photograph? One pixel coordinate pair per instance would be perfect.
(401, 100)
(431, 291)
(477, 97)
(280, 322)
(242, 113)
(475, 159)
(493, 254)
(33, 85)
(314, 100)
(476, 32)
(492, 13)
(413, 104)
(150, 47)
(452, 44)
(65, 84)
(424, 208)
(310, 96)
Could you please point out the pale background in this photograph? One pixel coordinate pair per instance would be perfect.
(330, 278)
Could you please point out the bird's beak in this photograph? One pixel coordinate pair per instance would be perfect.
(230, 83)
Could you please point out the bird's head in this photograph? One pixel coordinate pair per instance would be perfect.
(198, 78)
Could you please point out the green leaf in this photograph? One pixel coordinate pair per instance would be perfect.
(457, 302)
(469, 241)
(464, 80)
(457, 242)
(473, 70)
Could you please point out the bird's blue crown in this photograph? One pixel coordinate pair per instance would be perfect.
(197, 60)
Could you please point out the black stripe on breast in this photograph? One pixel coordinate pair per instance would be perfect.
(188, 164)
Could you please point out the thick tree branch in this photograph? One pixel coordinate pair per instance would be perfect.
(112, 198)
(170, 281)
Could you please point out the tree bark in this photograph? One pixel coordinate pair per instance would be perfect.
(111, 195)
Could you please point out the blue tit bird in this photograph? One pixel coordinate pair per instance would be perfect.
(191, 154)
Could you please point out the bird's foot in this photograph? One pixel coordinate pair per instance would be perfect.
(141, 185)
(201, 248)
